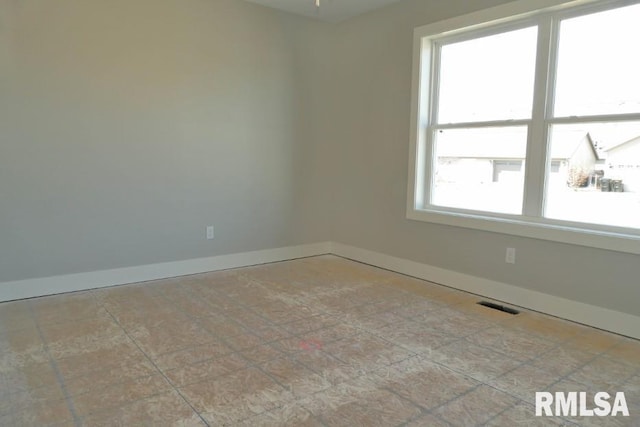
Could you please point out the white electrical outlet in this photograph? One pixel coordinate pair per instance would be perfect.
(210, 233)
(511, 256)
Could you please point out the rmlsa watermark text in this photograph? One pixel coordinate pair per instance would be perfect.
(574, 403)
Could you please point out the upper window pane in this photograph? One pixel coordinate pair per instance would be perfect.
(598, 64)
(488, 78)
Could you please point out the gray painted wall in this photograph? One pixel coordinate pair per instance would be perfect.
(367, 142)
(127, 127)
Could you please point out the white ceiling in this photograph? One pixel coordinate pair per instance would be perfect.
(329, 10)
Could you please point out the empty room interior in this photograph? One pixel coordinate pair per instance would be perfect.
(319, 213)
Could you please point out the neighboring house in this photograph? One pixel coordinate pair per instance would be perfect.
(623, 162)
(501, 159)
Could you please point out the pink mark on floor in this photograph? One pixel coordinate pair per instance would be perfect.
(310, 345)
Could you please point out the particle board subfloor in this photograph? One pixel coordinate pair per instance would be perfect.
(320, 341)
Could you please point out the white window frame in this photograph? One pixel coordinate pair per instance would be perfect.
(531, 223)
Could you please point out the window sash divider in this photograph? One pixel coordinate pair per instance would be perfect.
(537, 153)
(482, 124)
(628, 117)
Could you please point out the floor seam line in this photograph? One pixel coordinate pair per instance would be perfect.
(157, 368)
(56, 370)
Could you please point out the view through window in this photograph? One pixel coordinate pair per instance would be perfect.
(483, 119)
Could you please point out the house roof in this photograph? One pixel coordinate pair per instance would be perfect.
(635, 140)
(508, 145)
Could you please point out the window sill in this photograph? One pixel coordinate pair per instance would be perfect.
(571, 233)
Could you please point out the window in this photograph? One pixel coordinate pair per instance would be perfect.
(528, 122)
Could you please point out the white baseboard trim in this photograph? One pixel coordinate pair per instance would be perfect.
(598, 317)
(29, 288)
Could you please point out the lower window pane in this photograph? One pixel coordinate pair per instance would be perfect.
(480, 169)
(594, 174)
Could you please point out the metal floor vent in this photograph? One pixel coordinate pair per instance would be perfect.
(499, 307)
